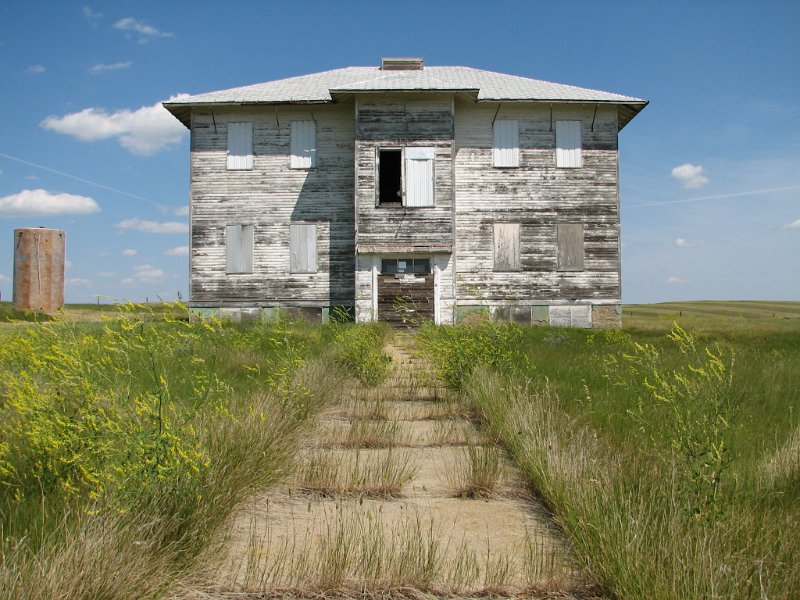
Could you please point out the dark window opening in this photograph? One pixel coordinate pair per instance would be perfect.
(391, 266)
(390, 177)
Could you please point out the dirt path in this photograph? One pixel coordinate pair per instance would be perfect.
(397, 493)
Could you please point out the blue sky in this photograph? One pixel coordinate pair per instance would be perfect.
(710, 171)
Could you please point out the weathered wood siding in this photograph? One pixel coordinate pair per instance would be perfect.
(538, 196)
(271, 197)
(398, 121)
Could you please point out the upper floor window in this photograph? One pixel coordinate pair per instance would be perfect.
(239, 248)
(406, 177)
(568, 144)
(240, 146)
(505, 145)
(303, 145)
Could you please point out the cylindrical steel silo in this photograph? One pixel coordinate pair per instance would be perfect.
(39, 269)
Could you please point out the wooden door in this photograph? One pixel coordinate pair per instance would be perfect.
(405, 300)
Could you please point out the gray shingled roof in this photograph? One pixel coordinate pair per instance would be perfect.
(322, 87)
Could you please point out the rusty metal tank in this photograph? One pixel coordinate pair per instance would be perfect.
(39, 269)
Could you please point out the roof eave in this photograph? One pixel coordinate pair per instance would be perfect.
(183, 110)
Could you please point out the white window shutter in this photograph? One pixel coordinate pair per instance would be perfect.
(505, 146)
(302, 248)
(239, 248)
(303, 145)
(419, 176)
(240, 146)
(568, 144)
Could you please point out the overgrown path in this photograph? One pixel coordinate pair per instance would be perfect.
(397, 492)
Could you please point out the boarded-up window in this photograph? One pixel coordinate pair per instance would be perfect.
(568, 144)
(303, 248)
(240, 146)
(419, 176)
(303, 145)
(505, 147)
(506, 247)
(239, 248)
(571, 316)
(570, 246)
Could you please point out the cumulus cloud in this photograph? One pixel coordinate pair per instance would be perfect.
(690, 176)
(684, 243)
(181, 211)
(673, 280)
(146, 32)
(35, 69)
(143, 131)
(104, 68)
(138, 224)
(129, 252)
(148, 274)
(178, 251)
(41, 203)
(792, 225)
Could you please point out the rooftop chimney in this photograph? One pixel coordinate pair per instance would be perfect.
(402, 64)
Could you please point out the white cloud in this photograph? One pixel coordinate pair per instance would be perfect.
(153, 226)
(792, 225)
(690, 176)
(78, 282)
(104, 68)
(181, 211)
(684, 243)
(127, 281)
(91, 15)
(35, 69)
(36, 203)
(130, 252)
(143, 131)
(148, 274)
(4, 278)
(106, 274)
(673, 280)
(178, 251)
(146, 32)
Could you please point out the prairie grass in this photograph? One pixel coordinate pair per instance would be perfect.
(362, 433)
(643, 517)
(379, 474)
(125, 444)
(477, 473)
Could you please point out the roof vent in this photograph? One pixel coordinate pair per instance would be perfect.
(402, 64)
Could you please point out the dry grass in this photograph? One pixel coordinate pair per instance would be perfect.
(366, 434)
(360, 551)
(782, 467)
(380, 473)
(478, 473)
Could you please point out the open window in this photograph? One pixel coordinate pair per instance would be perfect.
(390, 177)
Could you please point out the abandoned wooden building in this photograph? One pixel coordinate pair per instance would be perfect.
(407, 191)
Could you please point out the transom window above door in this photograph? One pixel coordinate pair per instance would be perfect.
(406, 265)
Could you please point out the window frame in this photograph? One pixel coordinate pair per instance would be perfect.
(515, 264)
(562, 265)
(300, 269)
(404, 158)
(296, 158)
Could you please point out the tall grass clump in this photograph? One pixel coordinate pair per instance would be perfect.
(125, 444)
(457, 351)
(360, 351)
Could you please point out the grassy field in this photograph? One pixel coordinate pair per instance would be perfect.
(670, 458)
(125, 444)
